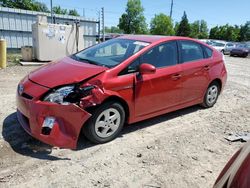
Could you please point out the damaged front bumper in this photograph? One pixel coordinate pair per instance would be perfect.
(64, 130)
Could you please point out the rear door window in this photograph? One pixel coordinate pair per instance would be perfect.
(163, 55)
(190, 51)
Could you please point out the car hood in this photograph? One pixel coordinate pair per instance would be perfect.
(64, 71)
(218, 47)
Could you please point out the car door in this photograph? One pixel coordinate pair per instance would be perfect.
(195, 70)
(161, 90)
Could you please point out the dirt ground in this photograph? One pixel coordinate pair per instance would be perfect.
(185, 148)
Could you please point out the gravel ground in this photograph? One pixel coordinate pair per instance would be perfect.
(185, 148)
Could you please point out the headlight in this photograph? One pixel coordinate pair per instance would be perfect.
(68, 94)
(59, 95)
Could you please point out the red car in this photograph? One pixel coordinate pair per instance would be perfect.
(123, 80)
(236, 173)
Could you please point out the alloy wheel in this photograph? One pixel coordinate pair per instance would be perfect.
(107, 122)
(212, 94)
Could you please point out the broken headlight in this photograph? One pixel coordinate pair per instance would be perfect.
(68, 94)
(58, 95)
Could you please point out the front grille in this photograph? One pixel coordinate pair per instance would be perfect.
(25, 95)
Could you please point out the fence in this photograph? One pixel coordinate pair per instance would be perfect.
(15, 26)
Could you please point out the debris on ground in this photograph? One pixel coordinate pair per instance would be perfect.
(165, 145)
(139, 155)
(243, 137)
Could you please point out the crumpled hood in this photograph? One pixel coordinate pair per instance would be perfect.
(64, 71)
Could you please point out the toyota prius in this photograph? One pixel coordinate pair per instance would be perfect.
(123, 80)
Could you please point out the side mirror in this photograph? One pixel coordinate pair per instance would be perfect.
(146, 68)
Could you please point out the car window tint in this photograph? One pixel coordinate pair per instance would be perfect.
(137, 48)
(114, 50)
(132, 68)
(208, 52)
(190, 51)
(162, 55)
(230, 45)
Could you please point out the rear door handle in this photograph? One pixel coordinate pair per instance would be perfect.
(207, 67)
(176, 76)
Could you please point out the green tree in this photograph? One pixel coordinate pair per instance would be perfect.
(161, 24)
(199, 29)
(231, 33)
(176, 26)
(40, 7)
(73, 12)
(184, 27)
(113, 29)
(203, 30)
(21, 4)
(59, 10)
(244, 33)
(107, 29)
(225, 32)
(195, 29)
(214, 32)
(25, 4)
(133, 20)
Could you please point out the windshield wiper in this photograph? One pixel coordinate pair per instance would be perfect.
(88, 61)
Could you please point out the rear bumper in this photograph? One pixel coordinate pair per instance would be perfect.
(69, 120)
(224, 79)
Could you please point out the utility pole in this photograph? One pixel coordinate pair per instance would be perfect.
(99, 26)
(103, 27)
(171, 10)
(51, 11)
(83, 12)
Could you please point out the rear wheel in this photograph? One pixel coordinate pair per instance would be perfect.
(211, 95)
(105, 123)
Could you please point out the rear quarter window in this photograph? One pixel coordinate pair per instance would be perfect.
(190, 51)
(208, 52)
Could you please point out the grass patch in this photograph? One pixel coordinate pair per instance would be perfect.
(13, 59)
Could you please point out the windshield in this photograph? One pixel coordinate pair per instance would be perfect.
(242, 46)
(110, 53)
(230, 45)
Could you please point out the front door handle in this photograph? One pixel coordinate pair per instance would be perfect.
(176, 76)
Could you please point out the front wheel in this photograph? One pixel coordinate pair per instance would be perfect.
(105, 123)
(211, 95)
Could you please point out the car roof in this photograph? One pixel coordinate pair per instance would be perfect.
(152, 38)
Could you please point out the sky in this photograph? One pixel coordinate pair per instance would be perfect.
(215, 12)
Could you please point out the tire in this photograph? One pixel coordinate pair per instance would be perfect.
(223, 52)
(245, 55)
(211, 95)
(106, 123)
